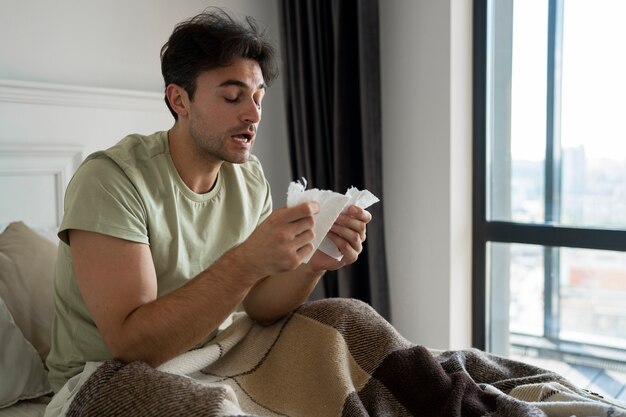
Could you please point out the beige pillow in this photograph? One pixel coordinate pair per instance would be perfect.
(27, 262)
(22, 373)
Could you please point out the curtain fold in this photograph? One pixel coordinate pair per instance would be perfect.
(331, 73)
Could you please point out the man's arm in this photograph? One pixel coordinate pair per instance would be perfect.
(276, 296)
(118, 282)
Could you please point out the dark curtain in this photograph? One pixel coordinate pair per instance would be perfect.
(330, 50)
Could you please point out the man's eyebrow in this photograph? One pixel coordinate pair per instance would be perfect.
(241, 84)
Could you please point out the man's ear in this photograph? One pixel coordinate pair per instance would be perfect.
(178, 99)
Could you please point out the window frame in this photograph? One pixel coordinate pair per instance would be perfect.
(550, 235)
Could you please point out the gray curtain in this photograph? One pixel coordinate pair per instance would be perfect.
(330, 50)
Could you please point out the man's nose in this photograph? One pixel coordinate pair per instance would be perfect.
(252, 113)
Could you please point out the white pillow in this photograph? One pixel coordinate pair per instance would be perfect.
(22, 373)
(26, 279)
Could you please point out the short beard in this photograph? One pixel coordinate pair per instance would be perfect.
(211, 147)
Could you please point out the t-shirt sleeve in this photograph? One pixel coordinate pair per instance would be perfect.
(101, 198)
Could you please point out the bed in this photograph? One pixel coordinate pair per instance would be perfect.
(248, 369)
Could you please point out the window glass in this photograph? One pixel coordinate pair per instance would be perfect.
(592, 139)
(555, 100)
(516, 292)
(589, 297)
(517, 100)
(593, 132)
(593, 297)
(527, 280)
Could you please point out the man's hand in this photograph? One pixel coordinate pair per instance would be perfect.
(348, 233)
(277, 295)
(281, 242)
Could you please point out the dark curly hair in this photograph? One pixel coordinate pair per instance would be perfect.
(210, 40)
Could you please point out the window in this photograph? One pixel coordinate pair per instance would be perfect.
(550, 179)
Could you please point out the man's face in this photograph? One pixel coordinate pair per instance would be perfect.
(226, 111)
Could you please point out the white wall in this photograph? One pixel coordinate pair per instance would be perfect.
(426, 84)
(115, 44)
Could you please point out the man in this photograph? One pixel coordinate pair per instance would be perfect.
(165, 235)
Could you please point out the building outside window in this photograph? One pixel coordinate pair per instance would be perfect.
(550, 179)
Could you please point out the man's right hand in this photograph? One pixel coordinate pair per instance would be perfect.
(281, 242)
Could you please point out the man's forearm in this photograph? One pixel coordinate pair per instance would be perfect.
(170, 325)
(276, 296)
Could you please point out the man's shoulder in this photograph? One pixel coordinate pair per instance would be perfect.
(129, 153)
(137, 147)
(120, 160)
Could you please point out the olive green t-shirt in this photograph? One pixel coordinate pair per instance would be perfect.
(132, 191)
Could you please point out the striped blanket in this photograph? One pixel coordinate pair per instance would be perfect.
(334, 357)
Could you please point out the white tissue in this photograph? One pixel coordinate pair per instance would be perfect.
(331, 205)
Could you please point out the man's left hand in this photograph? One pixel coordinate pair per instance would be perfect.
(348, 233)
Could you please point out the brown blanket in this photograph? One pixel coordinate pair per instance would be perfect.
(334, 357)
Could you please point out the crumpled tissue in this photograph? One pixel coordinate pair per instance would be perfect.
(331, 205)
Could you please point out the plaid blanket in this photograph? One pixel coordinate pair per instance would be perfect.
(334, 357)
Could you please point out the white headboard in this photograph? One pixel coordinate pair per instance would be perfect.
(47, 130)
(33, 180)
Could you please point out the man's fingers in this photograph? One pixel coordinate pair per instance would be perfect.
(352, 237)
(349, 250)
(303, 239)
(359, 214)
(295, 213)
(289, 222)
(299, 226)
(353, 223)
(305, 250)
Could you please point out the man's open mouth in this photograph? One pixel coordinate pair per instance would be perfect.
(243, 137)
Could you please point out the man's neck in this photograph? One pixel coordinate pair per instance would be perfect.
(199, 175)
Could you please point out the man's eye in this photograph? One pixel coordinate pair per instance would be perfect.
(231, 100)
